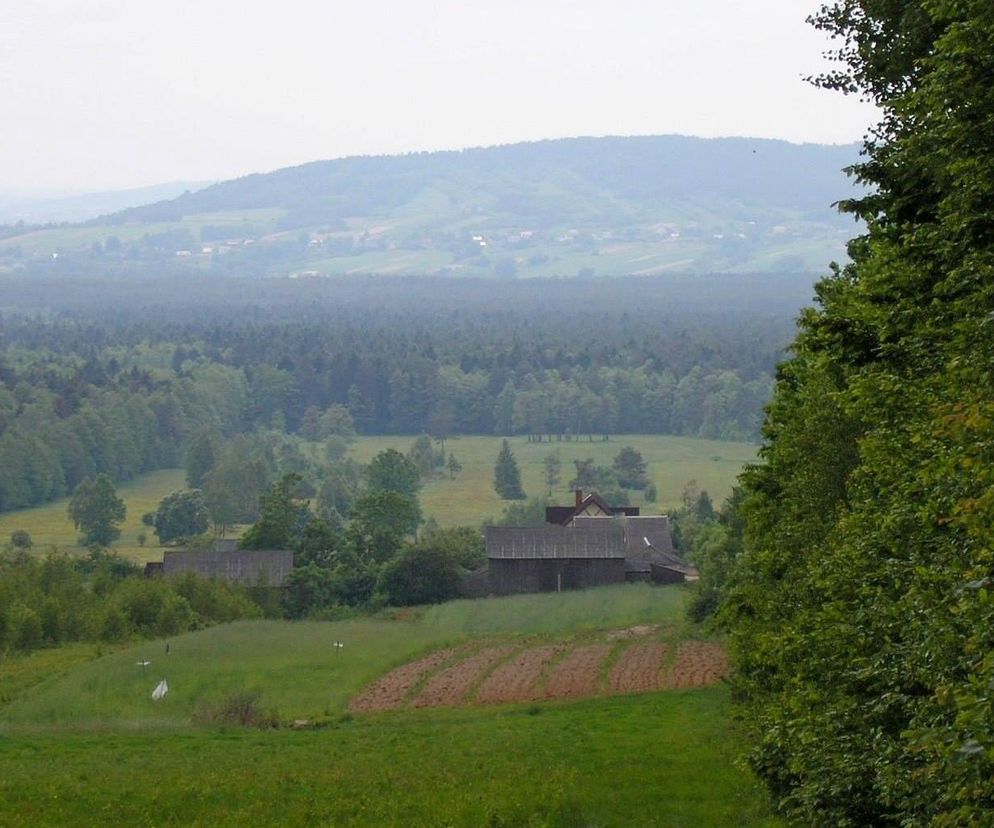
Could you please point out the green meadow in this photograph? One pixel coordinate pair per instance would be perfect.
(82, 742)
(470, 498)
(467, 500)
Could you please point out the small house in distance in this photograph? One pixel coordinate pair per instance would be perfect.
(588, 544)
(226, 562)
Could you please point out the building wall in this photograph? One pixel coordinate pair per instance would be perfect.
(510, 575)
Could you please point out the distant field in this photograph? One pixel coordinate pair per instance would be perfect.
(470, 498)
(49, 525)
(87, 745)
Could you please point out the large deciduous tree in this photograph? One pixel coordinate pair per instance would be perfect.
(181, 515)
(863, 628)
(97, 511)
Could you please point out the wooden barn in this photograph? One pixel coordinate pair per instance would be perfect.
(267, 568)
(588, 544)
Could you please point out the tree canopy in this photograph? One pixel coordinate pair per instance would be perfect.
(862, 622)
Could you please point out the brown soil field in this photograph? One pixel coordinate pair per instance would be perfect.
(392, 689)
(517, 680)
(451, 685)
(638, 669)
(697, 663)
(577, 674)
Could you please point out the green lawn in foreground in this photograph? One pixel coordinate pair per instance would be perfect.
(665, 759)
(470, 498)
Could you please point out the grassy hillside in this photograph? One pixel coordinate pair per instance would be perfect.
(88, 745)
(596, 206)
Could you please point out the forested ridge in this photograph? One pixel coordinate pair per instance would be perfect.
(115, 378)
(861, 609)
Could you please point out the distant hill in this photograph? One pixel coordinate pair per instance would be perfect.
(86, 206)
(606, 206)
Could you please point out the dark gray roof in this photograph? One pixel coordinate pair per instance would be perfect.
(246, 567)
(604, 540)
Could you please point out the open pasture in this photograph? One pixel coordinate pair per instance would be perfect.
(470, 498)
(49, 525)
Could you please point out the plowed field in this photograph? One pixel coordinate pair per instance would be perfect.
(697, 663)
(451, 685)
(517, 680)
(638, 669)
(391, 690)
(570, 671)
(576, 675)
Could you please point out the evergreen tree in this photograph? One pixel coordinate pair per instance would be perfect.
(454, 466)
(507, 478)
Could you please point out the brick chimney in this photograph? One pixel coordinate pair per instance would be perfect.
(579, 498)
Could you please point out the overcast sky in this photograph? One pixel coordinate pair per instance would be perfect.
(100, 94)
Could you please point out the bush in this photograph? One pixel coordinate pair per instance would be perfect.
(650, 493)
(26, 632)
(20, 539)
(238, 710)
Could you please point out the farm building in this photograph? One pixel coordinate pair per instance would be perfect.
(591, 505)
(228, 563)
(607, 547)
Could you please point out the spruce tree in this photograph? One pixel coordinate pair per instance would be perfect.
(507, 478)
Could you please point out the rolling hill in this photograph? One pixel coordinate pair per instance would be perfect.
(590, 206)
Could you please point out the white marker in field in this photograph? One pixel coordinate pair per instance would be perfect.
(160, 690)
(338, 647)
(143, 663)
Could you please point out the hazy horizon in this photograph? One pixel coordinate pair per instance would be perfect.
(118, 96)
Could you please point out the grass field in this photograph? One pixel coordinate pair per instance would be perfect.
(470, 498)
(49, 525)
(89, 746)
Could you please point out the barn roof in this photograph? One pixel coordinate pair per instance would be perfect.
(605, 540)
(562, 515)
(246, 567)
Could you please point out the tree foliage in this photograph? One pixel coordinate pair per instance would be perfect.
(863, 626)
(180, 515)
(507, 477)
(97, 511)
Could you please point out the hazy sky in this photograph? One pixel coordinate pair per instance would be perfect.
(124, 93)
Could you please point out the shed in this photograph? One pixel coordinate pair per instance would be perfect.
(244, 567)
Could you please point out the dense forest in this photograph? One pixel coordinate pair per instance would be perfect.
(860, 599)
(117, 377)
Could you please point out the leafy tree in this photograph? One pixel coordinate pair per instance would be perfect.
(97, 511)
(201, 457)
(552, 465)
(422, 455)
(454, 466)
(423, 573)
(464, 543)
(385, 512)
(390, 471)
(862, 625)
(282, 515)
(593, 478)
(507, 478)
(21, 539)
(180, 515)
(630, 469)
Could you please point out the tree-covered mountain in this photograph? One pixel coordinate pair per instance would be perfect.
(592, 206)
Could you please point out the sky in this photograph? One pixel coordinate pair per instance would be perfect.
(113, 94)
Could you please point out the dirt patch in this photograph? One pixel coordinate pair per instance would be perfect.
(638, 631)
(638, 669)
(451, 685)
(392, 690)
(517, 680)
(578, 673)
(697, 664)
